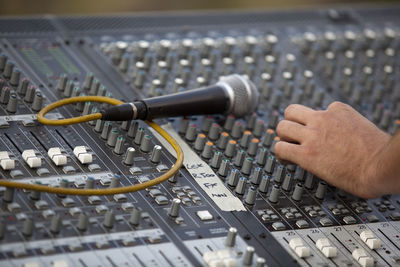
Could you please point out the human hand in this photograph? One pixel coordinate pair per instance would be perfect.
(338, 145)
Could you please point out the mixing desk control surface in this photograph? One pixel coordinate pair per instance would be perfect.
(233, 203)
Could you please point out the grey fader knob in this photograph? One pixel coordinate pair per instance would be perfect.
(27, 228)
(112, 137)
(274, 195)
(247, 166)
(106, 129)
(241, 186)
(248, 256)
(12, 103)
(200, 142)
(262, 156)
(30, 93)
(260, 262)
(321, 189)
(298, 192)
(270, 165)
(280, 174)
(174, 210)
(115, 181)
(145, 146)
(309, 183)
(55, 224)
(231, 237)
(83, 222)
(251, 196)
(264, 184)
(89, 183)
(8, 194)
(207, 150)
(156, 154)
(119, 145)
(257, 174)
(223, 169)
(233, 177)
(23, 86)
(216, 160)
(62, 82)
(136, 215)
(129, 156)
(109, 219)
(191, 133)
(287, 183)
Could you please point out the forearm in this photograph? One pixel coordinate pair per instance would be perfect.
(387, 168)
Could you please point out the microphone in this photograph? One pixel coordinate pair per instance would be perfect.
(233, 94)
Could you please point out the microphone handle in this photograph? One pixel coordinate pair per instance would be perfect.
(202, 101)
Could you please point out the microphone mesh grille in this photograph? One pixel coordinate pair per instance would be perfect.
(245, 95)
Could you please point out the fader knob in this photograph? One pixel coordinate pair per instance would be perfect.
(309, 183)
(112, 137)
(8, 195)
(262, 156)
(274, 195)
(62, 82)
(233, 177)
(129, 156)
(287, 183)
(145, 146)
(200, 142)
(136, 215)
(216, 160)
(115, 181)
(223, 169)
(89, 183)
(251, 196)
(260, 262)
(248, 256)
(231, 237)
(264, 184)
(241, 186)
(109, 219)
(174, 210)
(15, 75)
(55, 224)
(119, 145)
(280, 174)
(321, 189)
(12, 103)
(35, 195)
(156, 154)
(257, 174)
(298, 192)
(27, 228)
(83, 222)
(23, 86)
(30, 93)
(207, 150)
(37, 101)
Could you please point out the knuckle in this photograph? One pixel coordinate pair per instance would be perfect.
(336, 105)
(281, 127)
(278, 149)
(289, 109)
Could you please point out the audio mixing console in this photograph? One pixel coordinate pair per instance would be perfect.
(233, 203)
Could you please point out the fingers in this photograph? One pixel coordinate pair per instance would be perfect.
(288, 151)
(299, 113)
(291, 131)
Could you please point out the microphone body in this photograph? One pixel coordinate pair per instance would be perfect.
(233, 94)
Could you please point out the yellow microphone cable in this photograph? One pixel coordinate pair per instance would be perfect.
(95, 116)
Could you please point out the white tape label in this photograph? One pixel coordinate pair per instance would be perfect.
(202, 173)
